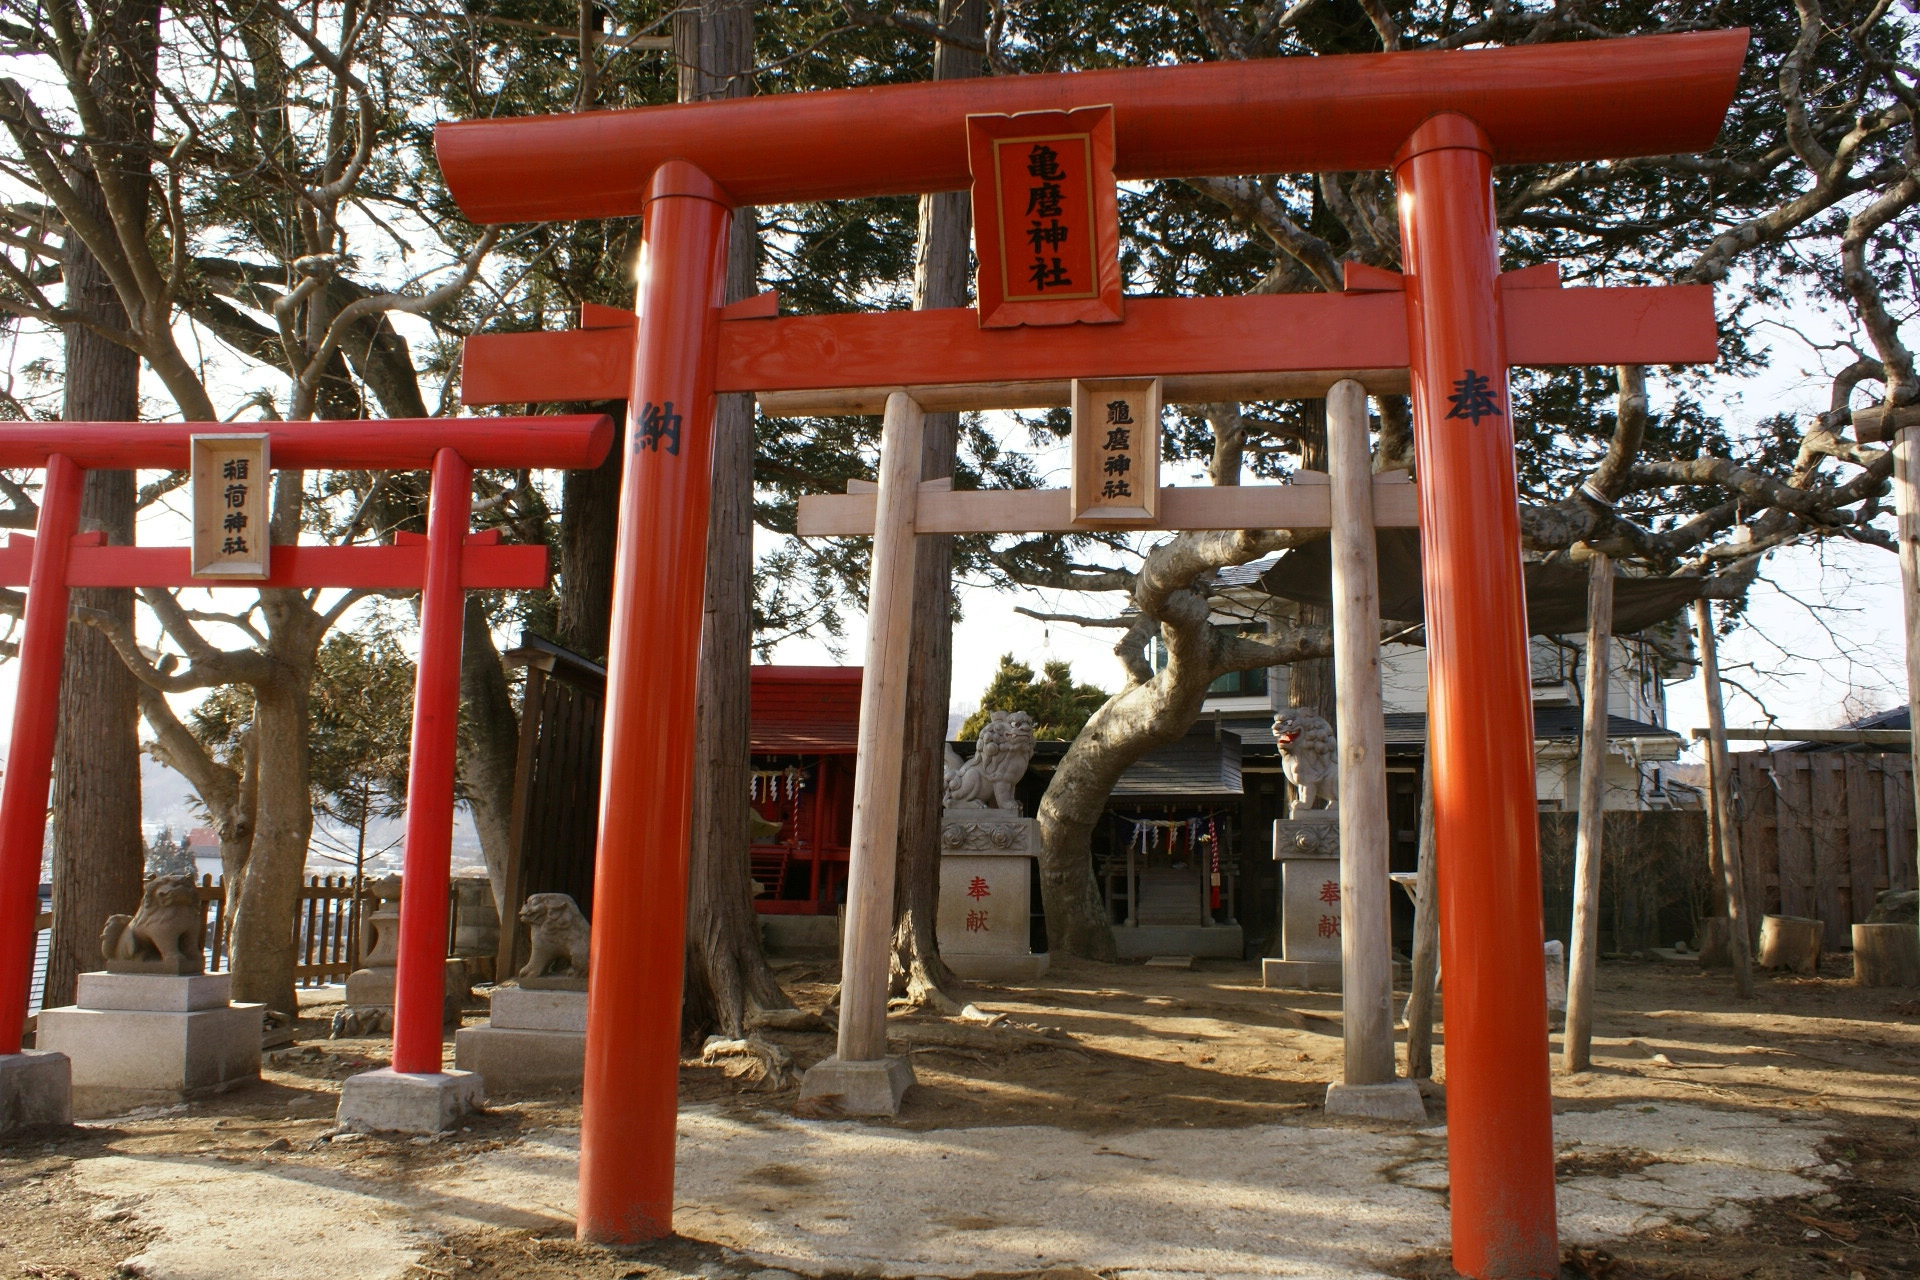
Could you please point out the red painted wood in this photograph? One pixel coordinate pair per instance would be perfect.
(1159, 337)
(804, 710)
(29, 766)
(1480, 707)
(562, 441)
(419, 982)
(1596, 99)
(486, 566)
(631, 1088)
(1084, 214)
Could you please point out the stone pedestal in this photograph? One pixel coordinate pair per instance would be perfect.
(36, 1090)
(389, 1101)
(1307, 846)
(534, 1041)
(1396, 1100)
(369, 1008)
(137, 1039)
(857, 1088)
(986, 895)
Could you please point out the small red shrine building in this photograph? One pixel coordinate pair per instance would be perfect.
(805, 731)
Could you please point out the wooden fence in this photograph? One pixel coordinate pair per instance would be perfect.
(1821, 832)
(328, 927)
(1654, 885)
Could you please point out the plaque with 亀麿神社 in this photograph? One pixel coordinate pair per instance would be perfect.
(231, 480)
(1046, 221)
(1116, 451)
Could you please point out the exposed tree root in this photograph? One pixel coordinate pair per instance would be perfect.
(768, 1062)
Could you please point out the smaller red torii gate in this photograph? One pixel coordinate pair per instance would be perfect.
(444, 565)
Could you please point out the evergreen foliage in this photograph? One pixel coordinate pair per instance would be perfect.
(1059, 706)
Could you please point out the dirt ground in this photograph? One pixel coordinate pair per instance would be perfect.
(1105, 1051)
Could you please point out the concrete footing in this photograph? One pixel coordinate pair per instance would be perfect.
(1300, 975)
(1396, 1100)
(389, 1101)
(859, 1088)
(36, 1089)
(137, 1039)
(535, 1041)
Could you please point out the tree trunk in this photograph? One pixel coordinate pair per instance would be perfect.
(1146, 715)
(1310, 683)
(98, 852)
(940, 280)
(489, 745)
(263, 941)
(728, 978)
(589, 527)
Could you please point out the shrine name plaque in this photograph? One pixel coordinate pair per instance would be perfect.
(1046, 220)
(1116, 451)
(231, 482)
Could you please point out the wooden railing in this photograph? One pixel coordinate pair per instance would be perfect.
(328, 927)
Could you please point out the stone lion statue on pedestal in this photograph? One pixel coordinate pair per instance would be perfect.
(560, 943)
(163, 936)
(1310, 757)
(999, 761)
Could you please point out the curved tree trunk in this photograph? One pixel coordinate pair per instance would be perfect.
(728, 979)
(940, 280)
(263, 921)
(489, 744)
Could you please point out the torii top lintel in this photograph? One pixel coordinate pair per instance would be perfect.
(1591, 100)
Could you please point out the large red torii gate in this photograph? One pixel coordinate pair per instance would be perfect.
(1440, 121)
(444, 565)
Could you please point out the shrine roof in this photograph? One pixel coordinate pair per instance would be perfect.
(805, 710)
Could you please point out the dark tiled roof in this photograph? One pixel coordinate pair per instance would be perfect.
(1199, 766)
(1407, 730)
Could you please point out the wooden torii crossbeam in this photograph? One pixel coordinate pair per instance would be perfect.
(1440, 121)
(444, 565)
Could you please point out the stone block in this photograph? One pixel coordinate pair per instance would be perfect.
(389, 1101)
(154, 993)
(858, 1088)
(1300, 975)
(372, 988)
(986, 882)
(125, 1058)
(517, 1009)
(978, 968)
(1310, 909)
(512, 1060)
(782, 933)
(36, 1090)
(1395, 1100)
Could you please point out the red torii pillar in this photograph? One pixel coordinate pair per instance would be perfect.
(1438, 120)
(445, 567)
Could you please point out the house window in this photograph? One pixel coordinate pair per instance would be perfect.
(1235, 684)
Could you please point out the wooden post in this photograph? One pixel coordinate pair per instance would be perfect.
(1426, 943)
(1366, 941)
(1906, 505)
(1577, 1049)
(1720, 782)
(876, 784)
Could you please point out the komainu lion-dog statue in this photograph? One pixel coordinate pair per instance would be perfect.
(1309, 756)
(999, 762)
(163, 936)
(560, 944)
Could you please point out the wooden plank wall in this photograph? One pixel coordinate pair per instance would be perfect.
(1822, 832)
